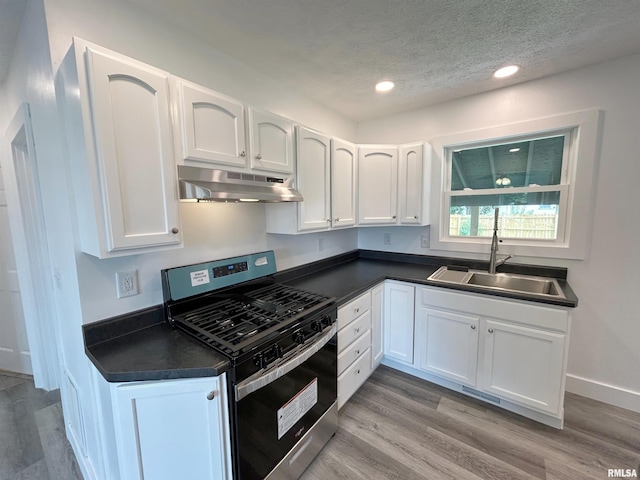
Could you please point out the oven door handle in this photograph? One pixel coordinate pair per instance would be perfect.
(263, 379)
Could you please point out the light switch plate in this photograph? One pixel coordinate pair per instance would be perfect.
(127, 283)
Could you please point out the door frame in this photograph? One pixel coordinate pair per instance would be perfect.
(28, 231)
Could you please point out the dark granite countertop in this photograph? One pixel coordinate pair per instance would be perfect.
(348, 275)
(142, 346)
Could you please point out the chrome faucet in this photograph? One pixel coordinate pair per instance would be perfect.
(493, 261)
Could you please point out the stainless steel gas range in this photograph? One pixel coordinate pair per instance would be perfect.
(282, 346)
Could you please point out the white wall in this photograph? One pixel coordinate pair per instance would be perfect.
(604, 357)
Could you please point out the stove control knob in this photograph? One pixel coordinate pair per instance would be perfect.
(316, 326)
(326, 320)
(277, 350)
(259, 361)
(298, 337)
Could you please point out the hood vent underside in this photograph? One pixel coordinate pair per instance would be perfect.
(207, 185)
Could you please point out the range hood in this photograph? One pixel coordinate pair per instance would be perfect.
(207, 185)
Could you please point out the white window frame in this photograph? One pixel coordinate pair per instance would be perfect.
(576, 186)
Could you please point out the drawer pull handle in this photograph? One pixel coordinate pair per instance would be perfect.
(491, 330)
(473, 327)
(357, 330)
(357, 310)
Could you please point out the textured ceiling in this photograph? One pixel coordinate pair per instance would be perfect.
(335, 50)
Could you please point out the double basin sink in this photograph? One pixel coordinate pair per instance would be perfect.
(505, 282)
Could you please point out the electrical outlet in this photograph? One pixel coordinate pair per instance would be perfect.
(320, 244)
(425, 241)
(127, 283)
(387, 239)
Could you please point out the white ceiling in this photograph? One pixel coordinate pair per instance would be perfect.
(335, 50)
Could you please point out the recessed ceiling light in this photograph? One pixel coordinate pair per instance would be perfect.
(384, 86)
(506, 71)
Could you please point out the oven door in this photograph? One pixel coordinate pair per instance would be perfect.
(289, 404)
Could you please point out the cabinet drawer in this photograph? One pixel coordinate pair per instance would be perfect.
(354, 351)
(353, 377)
(354, 330)
(352, 310)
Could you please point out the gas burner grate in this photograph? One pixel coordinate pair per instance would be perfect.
(238, 321)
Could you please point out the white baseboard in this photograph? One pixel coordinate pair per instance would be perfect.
(602, 392)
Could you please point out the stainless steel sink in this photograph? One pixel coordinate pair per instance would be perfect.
(506, 282)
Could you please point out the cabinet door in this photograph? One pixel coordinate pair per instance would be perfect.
(314, 182)
(377, 185)
(343, 183)
(523, 364)
(170, 429)
(377, 303)
(271, 142)
(398, 321)
(133, 143)
(411, 184)
(212, 126)
(447, 344)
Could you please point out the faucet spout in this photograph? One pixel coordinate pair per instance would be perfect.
(493, 260)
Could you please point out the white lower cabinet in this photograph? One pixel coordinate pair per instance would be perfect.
(447, 344)
(166, 429)
(377, 333)
(511, 353)
(399, 321)
(359, 341)
(524, 364)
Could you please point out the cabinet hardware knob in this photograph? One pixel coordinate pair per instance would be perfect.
(357, 352)
(415, 216)
(258, 157)
(491, 330)
(357, 310)
(473, 327)
(393, 216)
(243, 154)
(337, 219)
(357, 372)
(357, 330)
(328, 220)
(211, 395)
(174, 230)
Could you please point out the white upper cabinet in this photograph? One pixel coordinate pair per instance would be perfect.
(124, 171)
(413, 184)
(343, 183)
(270, 142)
(377, 184)
(314, 182)
(211, 126)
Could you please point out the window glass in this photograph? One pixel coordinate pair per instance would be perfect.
(520, 164)
(521, 215)
(523, 178)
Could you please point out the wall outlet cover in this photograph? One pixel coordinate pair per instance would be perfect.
(387, 239)
(425, 241)
(127, 283)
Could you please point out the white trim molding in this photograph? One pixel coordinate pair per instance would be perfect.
(620, 397)
(581, 198)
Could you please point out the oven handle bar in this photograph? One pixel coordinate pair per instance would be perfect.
(263, 379)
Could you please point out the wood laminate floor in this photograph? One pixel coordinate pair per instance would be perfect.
(33, 445)
(395, 427)
(400, 427)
